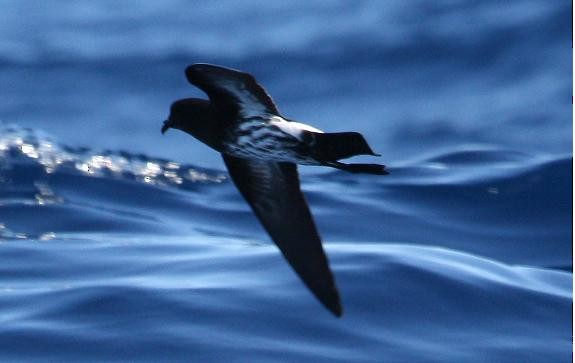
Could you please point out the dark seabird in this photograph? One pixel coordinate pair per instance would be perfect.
(261, 150)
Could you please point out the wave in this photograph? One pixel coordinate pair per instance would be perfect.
(460, 255)
(454, 255)
(380, 31)
(200, 295)
(507, 205)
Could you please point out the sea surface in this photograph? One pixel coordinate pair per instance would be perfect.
(118, 244)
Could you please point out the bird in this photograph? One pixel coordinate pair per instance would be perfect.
(261, 150)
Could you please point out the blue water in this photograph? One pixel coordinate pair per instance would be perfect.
(119, 244)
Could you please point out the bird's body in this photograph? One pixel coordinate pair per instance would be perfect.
(261, 149)
(270, 138)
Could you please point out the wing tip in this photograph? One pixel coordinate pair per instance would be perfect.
(196, 68)
(192, 71)
(336, 310)
(331, 301)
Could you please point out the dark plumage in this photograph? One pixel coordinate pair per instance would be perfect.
(261, 149)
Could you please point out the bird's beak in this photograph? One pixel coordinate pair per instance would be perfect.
(166, 126)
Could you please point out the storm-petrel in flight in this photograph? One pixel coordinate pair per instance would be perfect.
(261, 150)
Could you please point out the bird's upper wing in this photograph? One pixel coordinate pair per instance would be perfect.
(273, 191)
(231, 90)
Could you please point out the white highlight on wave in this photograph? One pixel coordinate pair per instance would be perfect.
(19, 144)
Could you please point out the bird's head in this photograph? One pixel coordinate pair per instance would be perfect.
(189, 115)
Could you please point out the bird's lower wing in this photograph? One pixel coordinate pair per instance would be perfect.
(273, 191)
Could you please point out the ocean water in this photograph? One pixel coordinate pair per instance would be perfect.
(120, 244)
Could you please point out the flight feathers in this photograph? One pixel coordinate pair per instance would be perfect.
(272, 190)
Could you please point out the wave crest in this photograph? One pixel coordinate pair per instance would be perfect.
(24, 146)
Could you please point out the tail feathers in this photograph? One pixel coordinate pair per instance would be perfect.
(375, 169)
(340, 145)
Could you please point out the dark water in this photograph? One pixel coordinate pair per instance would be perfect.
(118, 244)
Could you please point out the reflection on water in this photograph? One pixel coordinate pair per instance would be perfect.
(17, 143)
(8, 234)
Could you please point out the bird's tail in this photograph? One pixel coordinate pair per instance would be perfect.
(330, 147)
(375, 169)
(340, 145)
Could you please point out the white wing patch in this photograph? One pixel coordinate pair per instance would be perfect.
(292, 128)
